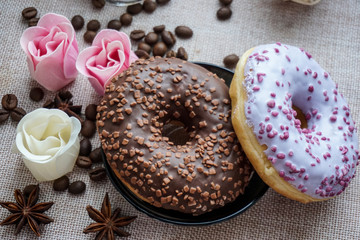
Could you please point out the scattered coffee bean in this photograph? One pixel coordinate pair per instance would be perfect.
(134, 9)
(97, 174)
(85, 147)
(93, 25)
(137, 35)
(61, 184)
(114, 24)
(142, 54)
(159, 29)
(17, 114)
(77, 187)
(65, 95)
(33, 22)
(98, 3)
(29, 12)
(224, 13)
(28, 189)
(88, 128)
(83, 162)
(226, 2)
(151, 38)
(149, 6)
(168, 38)
(159, 49)
(48, 104)
(78, 22)
(4, 115)
(231, 60)
(183, 32)
(89, 36)
(9, 101)
(90, 112)
(36, 94)
(96, 155)
(126, 19)
(171, 54)
(162, 2)
(182, 54)
(144, 46)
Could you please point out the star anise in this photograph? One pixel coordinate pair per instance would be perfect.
(107, 224)
(25, 210)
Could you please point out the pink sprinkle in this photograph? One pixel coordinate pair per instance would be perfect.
(311, 88)
(333, 118)
(283, 71)
(308, 55)
(314, 111)
(278, 43)
(307, 116)
(287, 57)
(276, 50)
(277, 83)
(271, 104)
(265, 51)
(268, 128)
(306, 177)
(273, 148)
(267, 119)
(351, 128)
(260, 77)
(309, 70)
(256, 88)
(297, 68)
(274, 113)
(289, 116)
(273, 95)
(303, 190)
(291, 153)
(326, 75)
(281, 173)
(315, 75)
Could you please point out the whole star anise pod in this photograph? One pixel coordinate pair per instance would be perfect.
(107, 224)
(25, 210)
(63, 102)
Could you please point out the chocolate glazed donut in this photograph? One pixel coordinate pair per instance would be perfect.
(201, 171)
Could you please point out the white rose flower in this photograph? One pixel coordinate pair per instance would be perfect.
(49, 143)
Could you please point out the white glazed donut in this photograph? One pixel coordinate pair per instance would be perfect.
(305, 164)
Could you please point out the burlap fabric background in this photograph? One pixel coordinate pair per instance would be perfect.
(329, 31)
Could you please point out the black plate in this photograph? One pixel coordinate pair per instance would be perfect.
(254, 191)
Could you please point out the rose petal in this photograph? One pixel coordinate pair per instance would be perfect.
(51, 20)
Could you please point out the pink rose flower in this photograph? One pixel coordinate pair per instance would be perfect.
(51, 49)
(109, 55)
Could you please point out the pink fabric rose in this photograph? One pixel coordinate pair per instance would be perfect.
(51, 49)
(109, 55)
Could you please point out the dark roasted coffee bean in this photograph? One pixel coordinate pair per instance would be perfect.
(224, 13)
(9, 101)
(17, 114)
(98, 3)
(142, 54)
(168, 38)
(90, 112)
(28, 189)
(78, 22)
(134, 9)
(29, 12)
(182, 54)
(85, 147)
(61, 184)
(144, 46)
(137, 35)
(4, 115)
(77, 187)
(114, 24)
(97, 174)
(126, 19)
(88, 128)
(149, 6)
(159, 29)
(159, 49)
(89, 36)
(231, 60)
(183, 32)
(65, 95)
(93, 25)
(36, 94)
(171, 54)
(48, 104)
(33, 22)
(83, 162)
(96, 155)
(162, 2)
(151, 38)
(226, 2)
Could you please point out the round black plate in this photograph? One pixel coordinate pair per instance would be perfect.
(254, 191)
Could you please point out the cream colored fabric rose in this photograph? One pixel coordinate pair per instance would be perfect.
(49, 143)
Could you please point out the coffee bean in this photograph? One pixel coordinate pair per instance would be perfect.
(89, 36)
(29, 12)
(137, 35)
(96, 155)
(98, 3)
(33, 22)
(149, 6)
(226, 2)
(36, 94)
(65, 95)
(93, 25)
(126, 19)
(61, 184)
(134, 9)
(77, 187)
(78, 22)
(162, 2)
(9, 101)
(224, 13)
(83, 162)
(28, 189)
(171, 54)
(159, 49)
(48, 104)
(97, 174)
(90, 112)
(231, 60)
(88, 128)
(151, 38)
(114, 24)
(183, 32)
(4, 115)
(85, 147)
(182, 54)
(159, 29)
(142, 54)
(168, 38)
(144, 46)
(17, 114)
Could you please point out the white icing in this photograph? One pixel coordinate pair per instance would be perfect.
(320, 160)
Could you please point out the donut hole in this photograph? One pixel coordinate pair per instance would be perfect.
(300, 116)
(176, 132)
